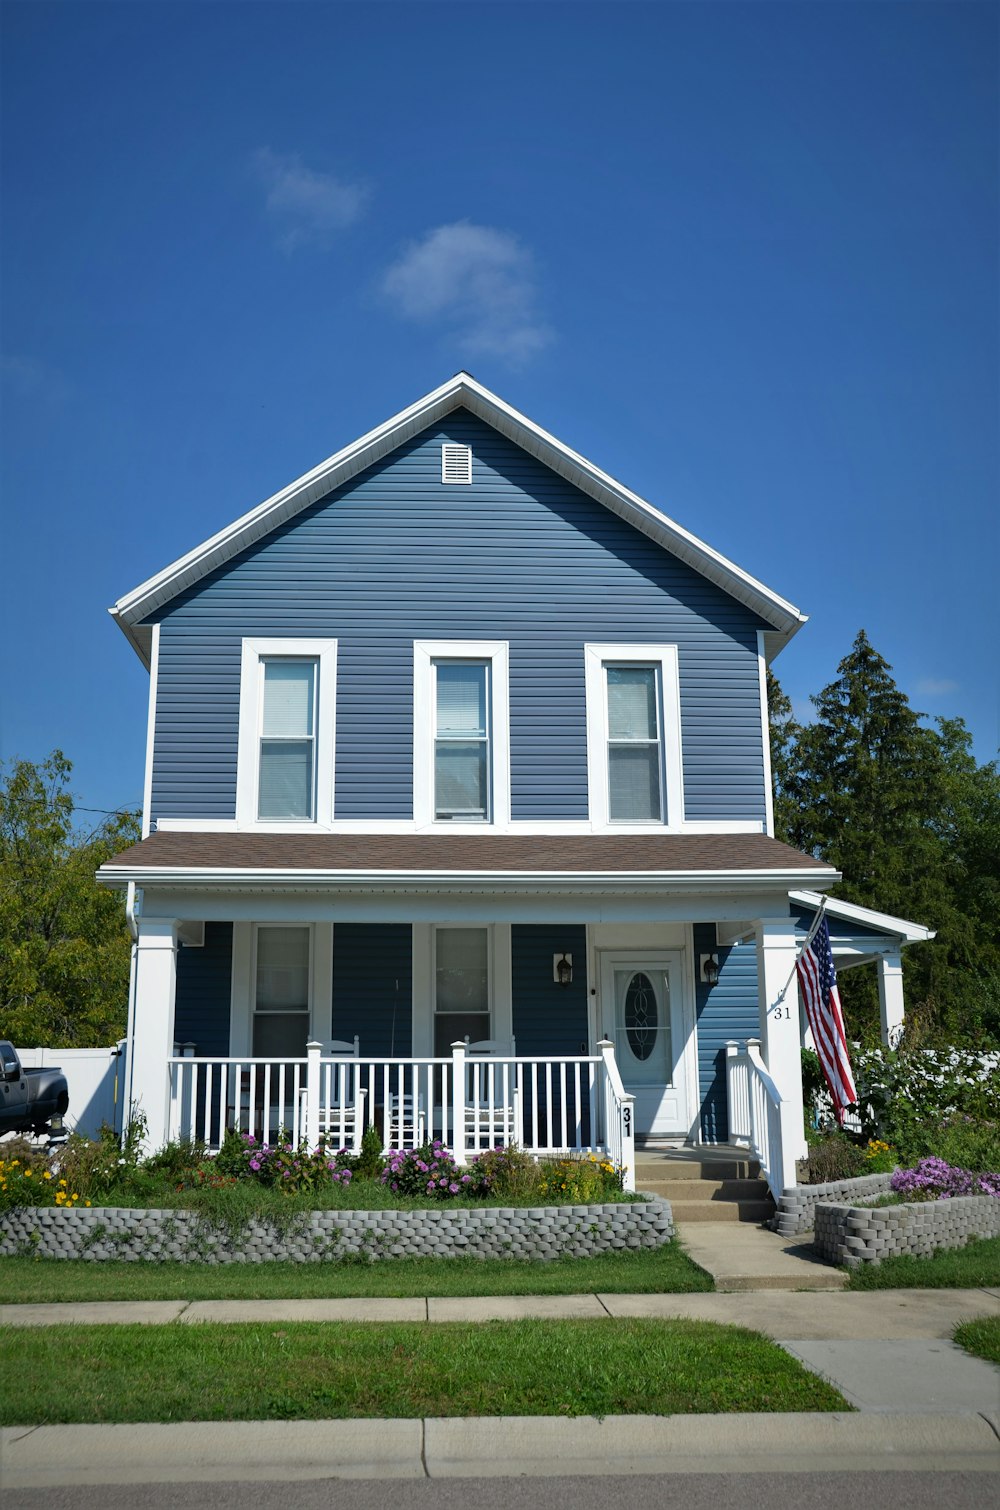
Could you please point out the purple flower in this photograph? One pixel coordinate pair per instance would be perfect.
(453, 1189)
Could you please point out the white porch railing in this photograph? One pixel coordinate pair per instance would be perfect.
(758, 1117)
(548, 1105)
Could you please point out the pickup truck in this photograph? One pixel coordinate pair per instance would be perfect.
(30, 1099)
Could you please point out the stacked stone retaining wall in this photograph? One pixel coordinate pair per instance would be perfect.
(797, 1207)
(854, 1235)
(488, 1232)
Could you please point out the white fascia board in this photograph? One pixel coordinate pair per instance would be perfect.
(910, 933)
(438, 880)
(461, 390)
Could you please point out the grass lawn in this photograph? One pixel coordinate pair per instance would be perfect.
(665, 1270)
(313, 1371)
(965, 1268)
(981, 1338)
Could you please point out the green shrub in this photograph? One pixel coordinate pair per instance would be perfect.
(368, 1165)
(835, 1157)
(586, 1181)
(506, 1173)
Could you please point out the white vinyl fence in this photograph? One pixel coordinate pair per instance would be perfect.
(96, 1080)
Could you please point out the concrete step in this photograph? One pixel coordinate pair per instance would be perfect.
(705, 1190)
(696, 1169)
(722, 1211)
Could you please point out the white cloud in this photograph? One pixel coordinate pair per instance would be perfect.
(931, 686)
(305, 205)
(476, 280)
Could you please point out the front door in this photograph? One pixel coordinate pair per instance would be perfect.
(641, 1003)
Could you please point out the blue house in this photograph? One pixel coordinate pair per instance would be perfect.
(457, 814)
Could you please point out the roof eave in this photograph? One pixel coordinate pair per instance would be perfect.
(462, 390)
(227, 878)
(908, 932)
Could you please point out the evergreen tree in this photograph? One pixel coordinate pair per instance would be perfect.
(64, 944)
(913, 823)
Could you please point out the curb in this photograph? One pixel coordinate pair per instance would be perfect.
(493, 1447)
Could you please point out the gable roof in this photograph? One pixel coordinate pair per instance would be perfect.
(461, 391)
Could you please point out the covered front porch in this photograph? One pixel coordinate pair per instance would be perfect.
(567, 995)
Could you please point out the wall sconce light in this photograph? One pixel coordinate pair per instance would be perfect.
(562, 968)
(708, 968)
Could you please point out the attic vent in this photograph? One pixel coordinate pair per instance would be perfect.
(456, 463)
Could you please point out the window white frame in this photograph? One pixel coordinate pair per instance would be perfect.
(254, 655)
(426, 654)
(243, 996)
(425, 980)
(597, 658)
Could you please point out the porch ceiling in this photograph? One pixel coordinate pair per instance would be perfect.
(433, 860)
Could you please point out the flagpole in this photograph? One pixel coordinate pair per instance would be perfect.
(817, 920)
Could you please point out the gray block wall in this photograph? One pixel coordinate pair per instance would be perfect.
(536, 1232)
(797, 1207)
(855, 1235)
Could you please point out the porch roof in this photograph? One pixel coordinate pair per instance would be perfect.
(432, 859)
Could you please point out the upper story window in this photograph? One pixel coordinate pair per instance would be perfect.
(633, 735)
(460, 769)
(285, 762)
(635, 751)
(286, 786)
(462, 764)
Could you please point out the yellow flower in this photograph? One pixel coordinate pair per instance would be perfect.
(86, 1203)
(27, 1174)
(62, 1182)
(47, 1175)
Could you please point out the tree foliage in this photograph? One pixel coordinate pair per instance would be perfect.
(913, 822)
(64, 943)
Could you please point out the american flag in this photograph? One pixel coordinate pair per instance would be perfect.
(818, 985)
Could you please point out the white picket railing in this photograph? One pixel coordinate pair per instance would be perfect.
(548, 1105)
(758, 1117)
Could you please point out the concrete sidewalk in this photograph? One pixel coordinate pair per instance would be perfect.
(872, 1315)
(743, 1256)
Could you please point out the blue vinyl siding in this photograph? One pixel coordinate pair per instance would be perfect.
(726, 1010)
(520, 555)
(373, 986)
(204, 985)
(548, 1018)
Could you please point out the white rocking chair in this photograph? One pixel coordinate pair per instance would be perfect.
(492, 1105)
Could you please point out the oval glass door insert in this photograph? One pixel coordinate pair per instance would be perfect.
(640, 1015)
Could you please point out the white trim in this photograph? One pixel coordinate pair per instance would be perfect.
(531, 828)
(254, 653)
(568, 883)
(596, 659)
(460, 391)
(911, 933)
(765, 730)
(425, 653)
(147, 784)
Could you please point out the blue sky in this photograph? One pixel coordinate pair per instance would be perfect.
(743, 257)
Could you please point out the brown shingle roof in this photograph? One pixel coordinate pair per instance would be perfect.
(466, 854)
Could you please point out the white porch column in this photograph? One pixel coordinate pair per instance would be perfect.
(890, 998)
(779, 1027)
(153, 1044)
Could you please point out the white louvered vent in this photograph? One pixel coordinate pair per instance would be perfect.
(456, 463)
